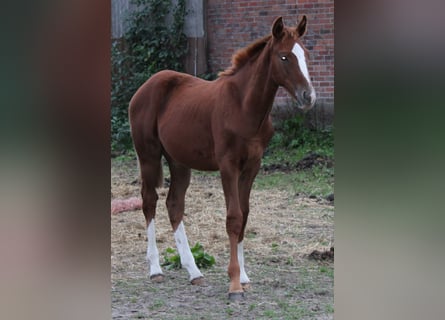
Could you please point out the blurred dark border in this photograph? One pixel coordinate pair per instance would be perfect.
(55, 164)
(389, 150)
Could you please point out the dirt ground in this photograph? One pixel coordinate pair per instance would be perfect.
(282, 232)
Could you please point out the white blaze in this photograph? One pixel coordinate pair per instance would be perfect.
(152, 250)
(298, 51)
(243, 276)
(185, 253)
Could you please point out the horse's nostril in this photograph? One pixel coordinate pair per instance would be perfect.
(306, 96)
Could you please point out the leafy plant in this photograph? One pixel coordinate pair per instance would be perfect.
(293, 133)
(171, 259)
(203, 260)
(293, 140)
(154, 41)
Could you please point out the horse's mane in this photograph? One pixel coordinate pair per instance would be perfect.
(240, 58)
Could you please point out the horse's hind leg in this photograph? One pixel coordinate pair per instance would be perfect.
(151, 171)
(180, 180)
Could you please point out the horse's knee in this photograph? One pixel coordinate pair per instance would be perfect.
(234, 223)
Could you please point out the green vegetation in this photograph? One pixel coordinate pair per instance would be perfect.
(287, 310)
(157, 303)
(303, 159)
(275, 247)
(269, 313)
(329, 271)
(329, 308)
(203, 260)
(316, 182)
(171, 259)
(230, 311)
(154, 41)
(293, 140)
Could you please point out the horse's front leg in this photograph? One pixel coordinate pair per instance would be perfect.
(245, 186)
(234, 226)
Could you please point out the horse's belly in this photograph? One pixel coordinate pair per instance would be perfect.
(193, 157)
(185, 126)
(192, 149)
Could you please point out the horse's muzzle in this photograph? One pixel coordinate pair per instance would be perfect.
(306, 99)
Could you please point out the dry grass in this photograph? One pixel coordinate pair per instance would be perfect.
(281, 231)
(280, 226)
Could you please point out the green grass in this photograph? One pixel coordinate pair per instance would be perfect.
(230, 311)
(287, 310)
(329, 271)
(290, 144)
(318, 181)
(269, 313)
(293, 140)
(128, 157)
(157, 304)
(329, 308)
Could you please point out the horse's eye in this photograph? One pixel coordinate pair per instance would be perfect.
(284, 58)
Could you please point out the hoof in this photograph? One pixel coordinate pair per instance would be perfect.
(246, 286)
(236, 296)
(157, 278)
(198, 281)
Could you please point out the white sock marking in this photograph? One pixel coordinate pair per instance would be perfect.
(152, 250)
(243, 276)
(185, 253)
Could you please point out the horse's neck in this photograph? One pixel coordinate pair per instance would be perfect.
(259, 90)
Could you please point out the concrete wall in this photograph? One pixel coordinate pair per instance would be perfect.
(119, 11)
(195, 30)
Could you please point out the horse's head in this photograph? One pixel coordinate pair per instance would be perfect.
(289, 65)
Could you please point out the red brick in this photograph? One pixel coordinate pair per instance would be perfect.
(234, 24)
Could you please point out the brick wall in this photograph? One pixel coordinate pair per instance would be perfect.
(232, 25)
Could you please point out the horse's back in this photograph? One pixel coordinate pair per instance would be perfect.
(156, 88)
(175, 109)
(152, 96)
(160, 88)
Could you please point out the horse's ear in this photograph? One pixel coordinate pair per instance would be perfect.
(301, 28)
(277, 28)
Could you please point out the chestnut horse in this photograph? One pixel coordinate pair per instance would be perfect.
(220, 125)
